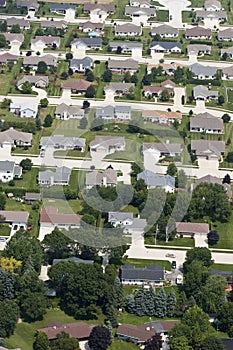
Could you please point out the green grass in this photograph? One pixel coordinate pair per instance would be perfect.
(5, 230)
(122, 345)
(162, 16)
(178, 242)
(222, 267)
(225, 233)
(144, 263)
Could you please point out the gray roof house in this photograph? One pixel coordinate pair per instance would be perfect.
(89, 43)
(53, 24)
(106, 178)
(12, 217)
(62, 142)
(203, 72)
(201, 92)
(119, 89)
(218, 15)
(40, 81)
(81, 65)
(61, 8)
(8, 57)
(110, 112)
(165, 31)
(23, 24)
(206, 123)
(163, 149)
(25, 109)
(228, 51)
(225, 34)
(213, 180)
(199, 49)
(128, 29)
(153, 180)
(122, 66)
(32, 61)
(212, 5)
(133, 11)
(197, 33)
(108, 144)
(165, 46)
(14, 37)
(32, 196)
(127, 222)
(124, 45)
(15, 137)
(9, 170)
(66, 112)
(47, 41)
(140, 3)
(227, 73)
(153, 275)
(60, 176)
(30, 5)
(208, 149)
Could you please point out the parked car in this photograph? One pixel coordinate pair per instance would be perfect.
(29, 228)
(179, 280)
(174, 265)
(169, 255)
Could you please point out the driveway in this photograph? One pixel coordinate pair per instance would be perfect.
(43, 232)
(200, 240)
(178, 93)
(175, 8)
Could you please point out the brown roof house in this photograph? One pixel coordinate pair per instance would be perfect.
(168, 68)
(99, 12)
(119, 89)
(15, 138)
(157, 90)
(128, 29)
(106, 178)
(206, 123)
(78, 86)
(41, 42)
(161, 117)
(32, 61)
(50, 218)
(213, 180)
(225, 34)
(122, 66)
(89, 27)
(15, 218)
(190, 229)
(40, 81)
(227, 73)
(198, 33)
(8, 57)
(13, 38)
(78, 330)
(208, 149)
(22, 23)
(107, 144)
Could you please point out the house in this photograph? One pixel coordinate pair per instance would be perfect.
(201, 92)
(53, 24)
(213, 180)
(74, 259)
(88, 43)
(198, 33)
(203, 72)
(110, 112)
(62, 142)
(211, 15)
(60, 176)
(81, 65)
(78, 86)
(127, 222)
(15, 218)
(3, 3)
(163, 149)
(30, 5)
(8, 57)
(161, 117)
(119, 89)
(190, 229)
(26, 109)
(122, 112)
(45, 41)
(152, 275)
(128, 29)
(32, 61)
(198, 49)
(14, 38)
(206, 123)
(146, 12)
(227, 73)
(228, 343)
(228, 51)
(78, 330)
(126, 47)
(165, 31)
(168, 68)
(61, 9)
(32, 197)
(108, 144)
(91, 27)
(212, 5)
(225, 35)
(15, 138)
(66, 112)
(140, 3)
(9, 170)
(208, 149)
(157, 90)
(49, 217)
(108, 178)
(165, 46)
(40, 81)
(122, 66)
(22, 23)
(98, 12)
(153, 180)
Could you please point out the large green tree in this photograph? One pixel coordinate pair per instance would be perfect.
(226, 317)
(65, 342)
(100, 338)
(9, 314)
(41, 341)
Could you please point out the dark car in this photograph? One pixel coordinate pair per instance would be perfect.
(173, 264)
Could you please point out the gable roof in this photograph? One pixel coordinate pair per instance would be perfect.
(58, 140)
(196, 48)
(167, 45)
(104, 7)
(207, 147)
(61, 174)
(161, 147)
(14, 37)
(203, 91)
(199, 69)
(124, 87)
(14, 216)
(20, 21)
(53, 24)
(50, 215)
(47, 40)
(213, 180)
(89, 42)
(50, 60)
(107, 141)
(225, 33)
(33, 79)
(4, 58)
(154, 180)
(198, 31)
(140, 11)
(95, 178)
(12, 135)
(148, 273)
(161, 114)
(119, 216)
(128, 27)
(207, 121)
(164, 29)
(78, 85)
(78, 330)
(70, 110)
(129, 63)
(62, 7)
(192, 227)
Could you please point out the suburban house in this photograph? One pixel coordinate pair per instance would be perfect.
(228, 51)
(213, 180)
(198, 33)
(153, 180)
(60, 176)
(15, 218)
(53, 24)
(151, 275)
(62, 142)
(125, 46)
(51, 218)
(81, 65)
(66, 112)
(14, 38)
(119, 89)
(98, 12)
(225, 34)
(22, 23)
(227, 73)
(78, 86)
(161, 117)
(192, 229)
(212, 5)
(40, 81)
(128, 29)
(107, 178)
(122, 66)
(165, 31)
(203, 72)
(146, 12)
(140, 3)
(110, 112)
(163, 149)
(9, 170)
(127, 222)
(15, 138)
(61, 9)
(157, 90)
(78, 330)
(88, 43)
(8, 57)
(30, 5)
(227, 343)
(201, 92)
(212, 15)
(168, 68)
(25, 109)
(108, 144)
(198, 49)
(32, 61)
(91, 27)
(44, 41)
(206, 123)
(32, 197)
(165, 46)
(208, 149)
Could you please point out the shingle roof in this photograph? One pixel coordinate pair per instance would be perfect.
(199, 69)
(51, 215)
(207, 121)
(95, 178)
(61, 174)
(161, 114)
(14, 37)
(50, 60)
(134, 10)
(192, 227)
(128, 27)
(107, 141)
(167, 45)
(8, 57)
(12, 135)
(103, 7)
(13, 216)
(33, 79)
(125, 45)
(62, 7)
(149, 273)
(154, 180)
(61, 140)
(123, 64)
(20, 21)
(207, 147)
(119, 86)
(70, 110)
(203, 91)
(211, 14)
(105, 112)
(49, 40)
(136, 332)
(79, 330)
(119, 216)
(225, 33)
(89, 42)
(198, 31)
(79, 85)
(196, 48)
(164, 29)
(162, 147)
(53, 24)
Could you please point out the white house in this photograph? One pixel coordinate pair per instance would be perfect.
(26, 109)
(9, 170)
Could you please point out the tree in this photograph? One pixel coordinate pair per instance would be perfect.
(107, 76)
(213, 293)
(86, 104)
(2, 201)
(127, 77)
(69, 56)
(100, 338)
(155, 343)
(2, 41)
(65, 342)
(212, 343)
(42, 67)
(134, 78)
(15, 28)
(56, 246)
(44, 102)
(213, 237)
(130, 303)
(139, 302)
(41, 341)
(196, 275)
(3, 26)
(150, 302)
(26, 164)
(182, 179)
(26, 88)
(230, 157)
(172, 169)
(33, 306)
(38, 123)
(227, 179)
(90, 76)
(160, 303)
(221, 100)
(224, 56)
(200, 254)
(9, 314)
(179, 343)
(226, 317)
(64, 75)
(7, 285)
(48, 121)
(118, 50)
(96, 125)
(83, 123)
(171, 304)
(165, 95)
(90, 93)
(226, 118)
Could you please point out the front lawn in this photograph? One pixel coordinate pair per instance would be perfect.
(144, 263)
(122, 345)
(5, 230)
(225, 233)
(162, 16)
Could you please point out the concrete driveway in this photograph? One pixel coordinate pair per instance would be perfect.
(43, 232)
(175, 8)
(200, 240)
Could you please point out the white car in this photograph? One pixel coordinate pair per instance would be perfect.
(169, 255)
(179, 280)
